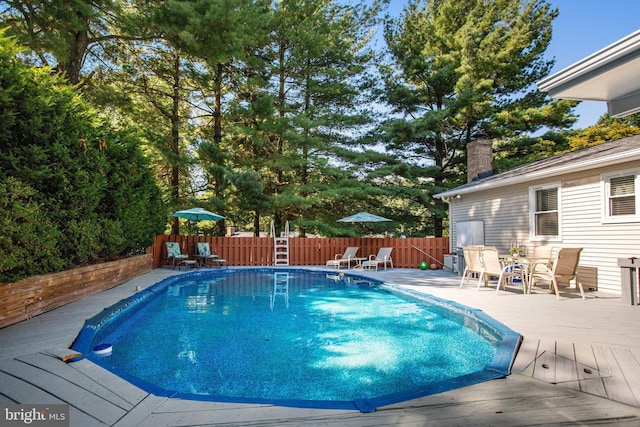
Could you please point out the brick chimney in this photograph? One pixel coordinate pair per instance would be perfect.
(479, 159)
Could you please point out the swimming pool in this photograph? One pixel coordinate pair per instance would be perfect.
(295, 337)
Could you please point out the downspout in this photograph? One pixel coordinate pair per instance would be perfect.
(447, 200)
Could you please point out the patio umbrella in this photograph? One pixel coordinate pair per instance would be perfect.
(198, 214)
(363, 217)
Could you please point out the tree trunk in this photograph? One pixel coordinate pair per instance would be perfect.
(217, 139)
(256, 224)
(175, 140)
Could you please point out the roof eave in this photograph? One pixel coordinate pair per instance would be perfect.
(587, 164)
(611, 56)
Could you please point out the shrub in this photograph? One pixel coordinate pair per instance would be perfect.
(81, 191)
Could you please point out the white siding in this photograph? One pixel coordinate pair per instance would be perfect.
(506, 218)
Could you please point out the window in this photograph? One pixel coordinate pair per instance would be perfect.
(544, 208)
(620, 195)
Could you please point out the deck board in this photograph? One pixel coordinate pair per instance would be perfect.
(64, 390)
(615, 384)
(124, 389)
(63, 370)
(526, 356)
(628, 363)
(140, 412)
(17, 390)
(566, 369)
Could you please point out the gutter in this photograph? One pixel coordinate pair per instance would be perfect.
(621, 51)
(496, 182)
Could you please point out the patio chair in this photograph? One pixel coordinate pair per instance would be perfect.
(563, 269)
(205, 256)
(347, 257)
(540, 260)
(174, 255)
(472, 264)
(493, 267)
(542, 251)
(383, 257)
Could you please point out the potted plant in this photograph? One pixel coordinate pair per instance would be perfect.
(516, 251)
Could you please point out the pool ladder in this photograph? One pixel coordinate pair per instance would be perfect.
(280, 245)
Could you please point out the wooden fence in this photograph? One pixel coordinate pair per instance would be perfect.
(257, 251)
(38, 294)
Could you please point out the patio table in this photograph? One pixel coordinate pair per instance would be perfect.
(526, 264)
(358, 264)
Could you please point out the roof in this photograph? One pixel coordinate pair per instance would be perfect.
(605, 154)
(610, 75)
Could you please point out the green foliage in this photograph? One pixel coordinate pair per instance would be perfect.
(462, 70)
(295, 113)
(28, 241)
(69, 177)
(607, 129)
(131, 207)
(72, 36)
(512, 152)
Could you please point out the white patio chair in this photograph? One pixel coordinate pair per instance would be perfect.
(383, 257)
(472, 264)
(493, 267)
(347, 257)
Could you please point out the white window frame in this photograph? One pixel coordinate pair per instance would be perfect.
(605, 180)
(532, 212)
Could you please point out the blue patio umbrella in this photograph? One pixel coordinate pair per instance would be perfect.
(198, 214)
(364, 217)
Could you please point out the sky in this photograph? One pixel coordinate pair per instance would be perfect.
(582, 27)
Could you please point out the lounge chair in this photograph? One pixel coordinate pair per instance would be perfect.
(205, 256)
(564, 268)
(347, 258)
(175, 256)
(383, 257)
(472, 264)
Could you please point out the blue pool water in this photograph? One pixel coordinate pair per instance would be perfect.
(295, 337)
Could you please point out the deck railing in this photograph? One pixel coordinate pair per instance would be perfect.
(258, 251)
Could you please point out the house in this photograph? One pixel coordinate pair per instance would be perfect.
(588, 198)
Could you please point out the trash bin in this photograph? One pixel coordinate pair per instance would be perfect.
(629, 268)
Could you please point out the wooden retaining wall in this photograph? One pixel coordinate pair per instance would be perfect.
(256, 251)
(35, 295)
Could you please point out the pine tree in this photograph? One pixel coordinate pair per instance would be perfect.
(462, 69)
(319, 58)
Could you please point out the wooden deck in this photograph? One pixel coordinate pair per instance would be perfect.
(571, 369)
